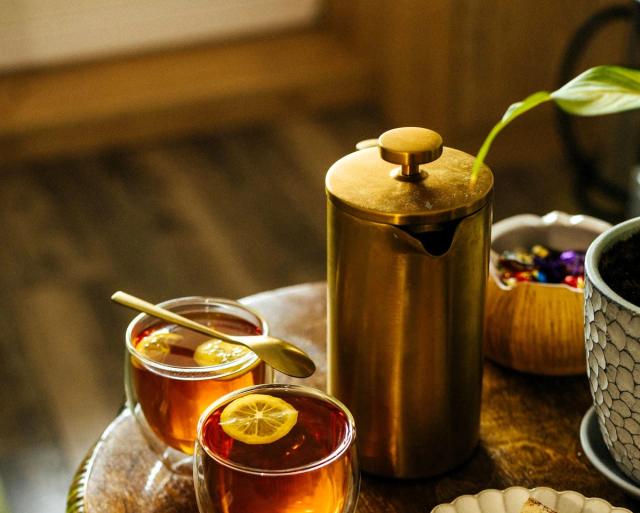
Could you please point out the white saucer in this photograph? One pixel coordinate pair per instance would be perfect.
(597, 453)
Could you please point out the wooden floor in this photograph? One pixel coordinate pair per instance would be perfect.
(225, 215)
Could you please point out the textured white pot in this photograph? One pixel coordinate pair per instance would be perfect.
(612, 340)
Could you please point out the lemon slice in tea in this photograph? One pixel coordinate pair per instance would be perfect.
(218, 352)
(258, 419)
(156, 346)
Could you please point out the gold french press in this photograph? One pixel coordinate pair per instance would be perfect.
(408, 252)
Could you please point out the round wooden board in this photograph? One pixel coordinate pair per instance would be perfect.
(529, 437)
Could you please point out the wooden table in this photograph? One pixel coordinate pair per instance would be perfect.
(529, 437)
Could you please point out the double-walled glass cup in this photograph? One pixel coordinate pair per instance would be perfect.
(173, 374)
(313, 468)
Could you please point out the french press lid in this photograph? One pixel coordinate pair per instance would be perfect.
(408, 177)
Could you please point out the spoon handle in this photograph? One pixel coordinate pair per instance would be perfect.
(141, 305)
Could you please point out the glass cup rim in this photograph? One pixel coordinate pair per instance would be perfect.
(247, 362)
(342, 447)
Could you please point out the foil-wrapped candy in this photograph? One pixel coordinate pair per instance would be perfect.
(542, 265)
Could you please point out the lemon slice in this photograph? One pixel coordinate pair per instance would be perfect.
(218, 352)
(156, 345)
(258, 419)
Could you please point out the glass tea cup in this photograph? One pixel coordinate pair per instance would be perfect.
(274, 448)
(173, 374)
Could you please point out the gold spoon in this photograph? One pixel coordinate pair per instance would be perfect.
(277, 353)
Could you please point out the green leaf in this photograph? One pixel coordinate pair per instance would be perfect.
(599, 90)
(512, 113)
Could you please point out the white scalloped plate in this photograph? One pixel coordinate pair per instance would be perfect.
(512, 499)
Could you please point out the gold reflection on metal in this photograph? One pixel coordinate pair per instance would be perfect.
(410, 147)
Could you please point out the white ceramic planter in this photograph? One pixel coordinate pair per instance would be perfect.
(612, 340)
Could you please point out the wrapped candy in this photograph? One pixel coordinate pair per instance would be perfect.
(542, 265)
(574, 281)
(573, 262)
(517, 261)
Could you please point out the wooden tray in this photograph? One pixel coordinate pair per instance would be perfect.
(529, 437)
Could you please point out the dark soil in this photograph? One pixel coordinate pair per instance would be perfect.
(620, 268)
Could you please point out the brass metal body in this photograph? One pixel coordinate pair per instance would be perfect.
(405, 314)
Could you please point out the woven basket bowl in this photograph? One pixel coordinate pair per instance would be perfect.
(536, 327)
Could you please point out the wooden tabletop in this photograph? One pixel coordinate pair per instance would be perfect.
(529, 437)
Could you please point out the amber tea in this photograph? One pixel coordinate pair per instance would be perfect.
(176, 373)
(282, 448)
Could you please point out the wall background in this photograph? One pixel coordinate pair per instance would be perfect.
(36, 32)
